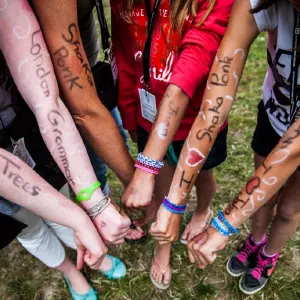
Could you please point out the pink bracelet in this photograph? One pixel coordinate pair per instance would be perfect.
(146, 168)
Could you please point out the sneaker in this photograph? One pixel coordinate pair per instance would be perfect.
(241, 260)
(256, 278)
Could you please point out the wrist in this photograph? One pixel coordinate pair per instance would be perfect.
(81, 220)
(96, 196)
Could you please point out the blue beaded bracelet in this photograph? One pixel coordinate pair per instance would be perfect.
(149, 161)
(173, 208)
(227, 224)
(216, 223)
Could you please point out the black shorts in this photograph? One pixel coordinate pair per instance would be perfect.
(265, 138)
(217, 154)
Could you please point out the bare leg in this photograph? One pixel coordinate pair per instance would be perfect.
(77, 280)
(162, 253)
(206, 187)
(262, 218)
(287, 217)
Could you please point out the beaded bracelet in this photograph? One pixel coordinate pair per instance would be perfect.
(149, 161)
(227, 224)
(146, 168)
(173, 208)
(219, 226)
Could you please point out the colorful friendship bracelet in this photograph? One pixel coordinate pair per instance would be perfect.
(219, 226)
(227, 224)
(173, 208)
(149, 161)
(146, 168)
(85, 194)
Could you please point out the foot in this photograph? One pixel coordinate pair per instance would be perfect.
(112, 267)
(160, 274)
(78, 283)
(256, 278)
(242, 259)
(135, 233)
(78, 293)
(198, 224)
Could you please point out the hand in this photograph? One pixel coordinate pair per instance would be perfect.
(166, 228)
(112, 226)
(140, 190)
(203, 247)
(133, 135)
(90, 247)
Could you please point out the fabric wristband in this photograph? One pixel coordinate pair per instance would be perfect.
(85, 194)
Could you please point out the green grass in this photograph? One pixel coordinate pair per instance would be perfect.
(24, 278)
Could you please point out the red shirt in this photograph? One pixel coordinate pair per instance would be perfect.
(185, 63)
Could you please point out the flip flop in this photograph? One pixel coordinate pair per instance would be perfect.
(160, 286)
(184, 242)
(140, 240)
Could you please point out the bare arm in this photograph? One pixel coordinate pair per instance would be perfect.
(26, 54)
(280, 164)
(217, 101)
(60, 27)
(21, 185)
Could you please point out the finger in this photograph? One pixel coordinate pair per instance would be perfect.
(191, 256)
(119, 241)
(163, 242)
(201, 238)
(80, 258)
(94, 261)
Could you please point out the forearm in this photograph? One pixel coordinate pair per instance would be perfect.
(27, 51)
(106, 141)
(75, 79)
(268, 179)
(21, 185)
(216, 104)
(167, 122)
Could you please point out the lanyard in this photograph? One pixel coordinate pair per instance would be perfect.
(147, 48)
(295, 104)
(105, 36)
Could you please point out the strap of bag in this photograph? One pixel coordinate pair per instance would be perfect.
(295, 104)
(151, 15)
(105, 36)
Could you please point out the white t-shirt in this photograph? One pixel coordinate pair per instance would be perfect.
(278, 21)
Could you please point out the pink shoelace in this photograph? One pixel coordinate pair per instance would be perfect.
(244, 254)
(260, 265)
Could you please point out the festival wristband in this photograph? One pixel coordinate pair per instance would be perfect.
(226, 223)
(85, 194)
(173, 208)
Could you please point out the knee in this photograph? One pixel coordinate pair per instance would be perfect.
(287, 213)
(207, 179)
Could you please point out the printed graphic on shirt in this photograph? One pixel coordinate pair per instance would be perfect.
(163, 49)
(278, 79)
